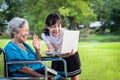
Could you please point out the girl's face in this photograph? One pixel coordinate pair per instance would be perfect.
(23, 33)
(55, 29)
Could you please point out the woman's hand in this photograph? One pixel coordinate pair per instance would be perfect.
(36, 42)
(37, 46)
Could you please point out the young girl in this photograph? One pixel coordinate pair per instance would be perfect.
(53, 37)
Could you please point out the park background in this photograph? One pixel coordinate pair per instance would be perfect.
(97, 20)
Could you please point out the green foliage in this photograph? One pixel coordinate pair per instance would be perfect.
(79, 10)
(5, 36)
(35, 11)
(73, 12)
(108, 11)
(38, 11)
(2, 17)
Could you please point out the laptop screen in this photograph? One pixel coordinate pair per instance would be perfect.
(70, 41)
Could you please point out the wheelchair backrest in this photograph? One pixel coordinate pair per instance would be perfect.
(6, 70)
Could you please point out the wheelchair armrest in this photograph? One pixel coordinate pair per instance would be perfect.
(28, 62)
(25, 62)
(56, 59)
(47, 58)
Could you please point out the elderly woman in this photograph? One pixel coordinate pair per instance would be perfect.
(17, 49)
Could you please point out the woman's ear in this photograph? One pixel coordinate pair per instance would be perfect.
(14, 32)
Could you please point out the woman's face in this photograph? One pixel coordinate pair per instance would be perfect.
(23, 33)
(55, 29)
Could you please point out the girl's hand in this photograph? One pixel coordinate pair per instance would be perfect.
(51, 50)
(36, 42)
(71, 53)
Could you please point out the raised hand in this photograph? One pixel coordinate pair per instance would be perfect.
(36, 42)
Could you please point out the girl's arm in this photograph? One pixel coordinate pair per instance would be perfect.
(50, 48)
(59, 49)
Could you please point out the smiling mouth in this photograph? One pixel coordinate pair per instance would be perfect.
(56, 33)
(24, 37)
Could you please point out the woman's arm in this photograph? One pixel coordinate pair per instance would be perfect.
(37, 46)
(30, 72)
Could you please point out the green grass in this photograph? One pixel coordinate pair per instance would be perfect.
(100, 60)
(100, 38)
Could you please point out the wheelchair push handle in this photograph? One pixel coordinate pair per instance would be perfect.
(2, 51)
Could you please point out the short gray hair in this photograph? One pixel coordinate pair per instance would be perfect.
(15, 24)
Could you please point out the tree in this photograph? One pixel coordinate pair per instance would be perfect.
(3, 7)
(77, 12)
(73, 12)
(115, 17)
(108, 12)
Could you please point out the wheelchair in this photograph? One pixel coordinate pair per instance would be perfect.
(8, 76)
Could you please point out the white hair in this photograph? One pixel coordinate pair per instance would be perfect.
(15, 24)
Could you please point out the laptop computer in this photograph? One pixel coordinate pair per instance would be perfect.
(70, 41)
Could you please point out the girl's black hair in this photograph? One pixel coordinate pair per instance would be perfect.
(51, 20)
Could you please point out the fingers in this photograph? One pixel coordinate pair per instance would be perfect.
(71, 53)
(50, 50)
(36, 41)
(35, 37)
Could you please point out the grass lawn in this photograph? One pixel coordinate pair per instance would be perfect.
(100, 60)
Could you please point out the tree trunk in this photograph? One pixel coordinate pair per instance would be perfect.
(72, 23)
